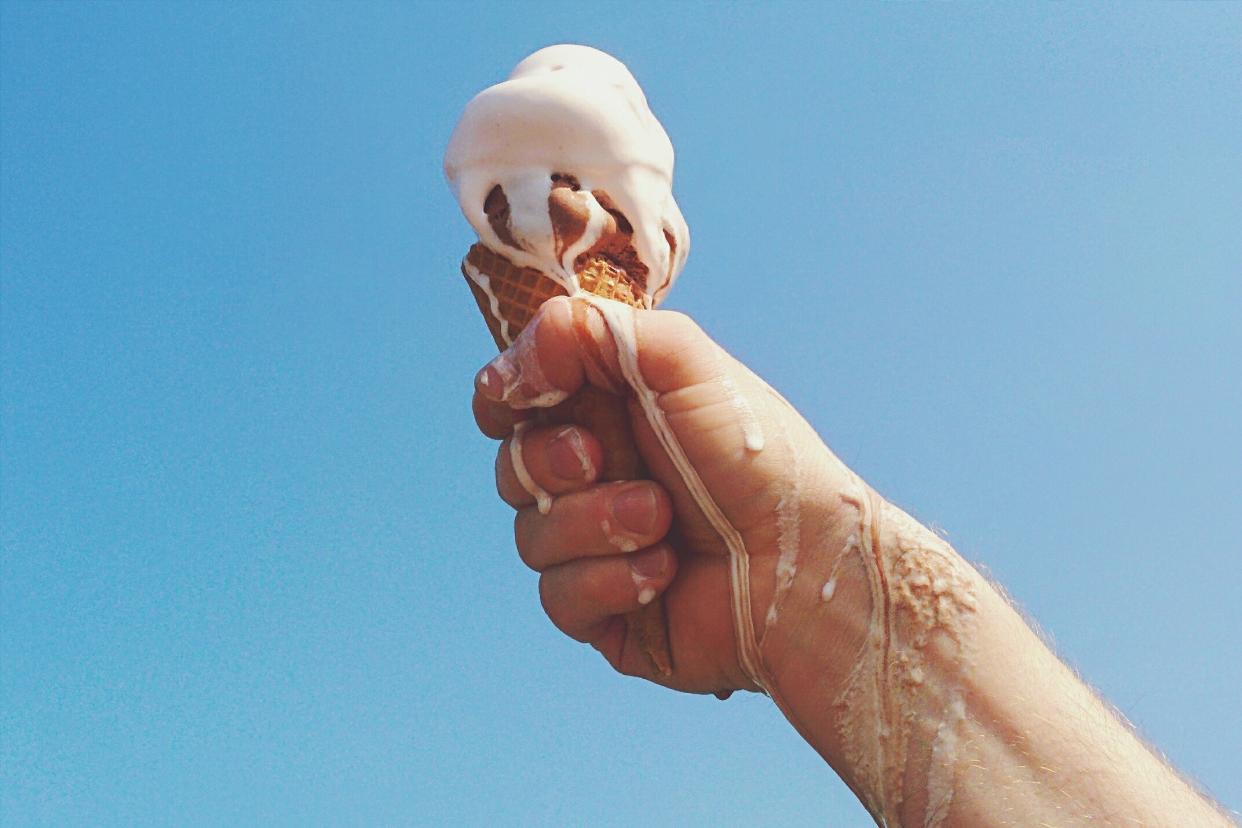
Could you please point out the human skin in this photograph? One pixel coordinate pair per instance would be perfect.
(905, 669)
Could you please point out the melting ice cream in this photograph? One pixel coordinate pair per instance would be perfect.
(568, 114)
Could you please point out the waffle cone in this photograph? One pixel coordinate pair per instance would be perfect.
(518, 293)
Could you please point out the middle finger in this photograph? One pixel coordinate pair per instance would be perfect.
(602, 520)
(537, 463)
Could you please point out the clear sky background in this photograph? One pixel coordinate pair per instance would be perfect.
(254, 571)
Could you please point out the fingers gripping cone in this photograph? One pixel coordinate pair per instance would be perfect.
(509, 299)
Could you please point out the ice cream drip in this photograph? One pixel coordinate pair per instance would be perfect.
(568, 114)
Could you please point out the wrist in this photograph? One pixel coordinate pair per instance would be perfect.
(934, 701)
(824, 621)
(869, 659)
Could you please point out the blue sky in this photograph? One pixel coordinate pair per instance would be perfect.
(254, 571)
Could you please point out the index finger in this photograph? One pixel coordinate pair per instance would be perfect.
(566, 345)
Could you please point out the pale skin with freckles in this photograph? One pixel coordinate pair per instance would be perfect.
(891, 655)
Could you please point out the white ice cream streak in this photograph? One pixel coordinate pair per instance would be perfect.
(485, 284)
(596, 222)
(622, 328)
(543, 500)
(789, 540)
(876, 650)
(752, 433)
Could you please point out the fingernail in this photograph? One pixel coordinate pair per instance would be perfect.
(490, 384)
(635, 508)
(649, 563)
(567, 456)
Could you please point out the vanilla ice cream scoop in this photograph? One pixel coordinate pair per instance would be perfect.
(568, 116)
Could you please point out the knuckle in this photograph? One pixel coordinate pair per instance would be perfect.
(490, 421)
(681, 323)
(507, 484)
(548, 599)
(525, 538)
(502, 457)
(552, 598)
(557, 309)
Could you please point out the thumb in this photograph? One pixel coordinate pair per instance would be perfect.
(570, 343)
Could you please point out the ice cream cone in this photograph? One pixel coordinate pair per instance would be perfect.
(508, 296)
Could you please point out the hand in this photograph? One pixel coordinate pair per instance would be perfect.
(891, 655)
(604, 549)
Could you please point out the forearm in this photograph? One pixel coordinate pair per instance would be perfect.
(938, 704)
